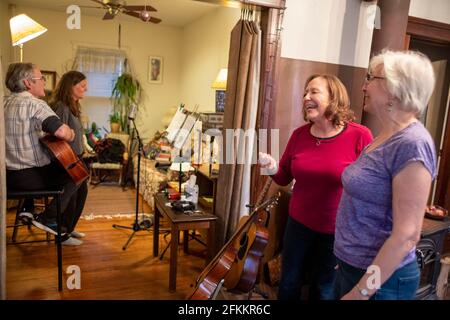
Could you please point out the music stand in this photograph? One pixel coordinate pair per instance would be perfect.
(144, 224)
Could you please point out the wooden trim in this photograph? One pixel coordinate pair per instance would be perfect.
(2, 199)
(273, 4)
(428, 29)
(442, 195)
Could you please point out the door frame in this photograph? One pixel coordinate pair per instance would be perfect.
(436, 33)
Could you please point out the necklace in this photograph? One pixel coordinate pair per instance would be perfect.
(319, 140)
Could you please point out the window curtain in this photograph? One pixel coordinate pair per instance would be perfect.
(100, 60)
(240, 113)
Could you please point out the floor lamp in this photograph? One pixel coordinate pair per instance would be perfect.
(23, 29)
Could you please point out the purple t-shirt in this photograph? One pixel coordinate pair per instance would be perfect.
(364, 218)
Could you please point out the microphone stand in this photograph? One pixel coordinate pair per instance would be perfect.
(144, 225)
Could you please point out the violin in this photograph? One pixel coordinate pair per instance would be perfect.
(64, 153)
(213, 276)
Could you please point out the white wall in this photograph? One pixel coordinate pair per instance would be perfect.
(206, 43)
(436, 10)
(332, 31)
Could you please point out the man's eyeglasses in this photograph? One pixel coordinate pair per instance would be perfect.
(370, 77)
(40, 78)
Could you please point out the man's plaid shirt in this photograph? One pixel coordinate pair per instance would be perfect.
(24, 115)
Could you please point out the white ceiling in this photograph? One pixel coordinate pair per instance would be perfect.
(175, 13)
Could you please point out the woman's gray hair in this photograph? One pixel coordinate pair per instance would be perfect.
(17, 72)
(409, 77)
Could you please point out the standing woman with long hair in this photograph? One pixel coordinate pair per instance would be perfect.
(65, 101)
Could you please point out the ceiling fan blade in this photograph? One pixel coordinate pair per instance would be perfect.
(108, 16)
(132, 13)
(139, 8)
(155, 20)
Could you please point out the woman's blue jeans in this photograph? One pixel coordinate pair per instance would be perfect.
(401, 285)
(304, 247)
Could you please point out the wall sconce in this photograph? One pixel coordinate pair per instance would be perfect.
(23, 29)
(220, 84)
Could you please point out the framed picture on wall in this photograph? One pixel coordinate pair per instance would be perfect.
(155, 69)
(50, 79)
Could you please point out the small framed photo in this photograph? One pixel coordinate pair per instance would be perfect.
(50, 79)
(155, 69)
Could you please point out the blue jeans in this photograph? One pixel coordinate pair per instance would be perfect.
(304, 247)
(401, 285)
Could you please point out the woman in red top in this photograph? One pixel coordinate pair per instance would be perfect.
(315, 157)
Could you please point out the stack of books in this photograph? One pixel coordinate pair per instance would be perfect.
(163, 157)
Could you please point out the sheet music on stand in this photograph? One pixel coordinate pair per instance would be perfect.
(181, 126)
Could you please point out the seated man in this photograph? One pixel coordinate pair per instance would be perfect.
(28, 164)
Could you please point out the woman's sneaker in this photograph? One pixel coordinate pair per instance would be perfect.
(72, 242)
(76, 234)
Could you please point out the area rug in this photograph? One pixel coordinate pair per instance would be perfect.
(110, 202)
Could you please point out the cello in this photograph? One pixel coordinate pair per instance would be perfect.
(212, 277)
(250, 249)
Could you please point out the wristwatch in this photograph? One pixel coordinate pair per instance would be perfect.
(364, 292)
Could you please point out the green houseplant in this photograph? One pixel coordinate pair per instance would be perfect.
(126, 91)
(114, 121)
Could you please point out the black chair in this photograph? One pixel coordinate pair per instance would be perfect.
(56, 194)
(21, 222)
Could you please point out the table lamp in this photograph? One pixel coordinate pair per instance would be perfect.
(23, 29)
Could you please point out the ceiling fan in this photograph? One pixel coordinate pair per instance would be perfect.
(115, 7)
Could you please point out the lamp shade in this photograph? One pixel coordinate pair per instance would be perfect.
(220, 83)
(23, 29)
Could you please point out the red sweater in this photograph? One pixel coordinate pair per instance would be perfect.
(317, 168)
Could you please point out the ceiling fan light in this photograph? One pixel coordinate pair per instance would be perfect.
(144, 15)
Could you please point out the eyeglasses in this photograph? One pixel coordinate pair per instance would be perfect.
(370, 77)
(40, 78)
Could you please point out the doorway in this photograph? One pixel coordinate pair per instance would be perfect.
(422, 36)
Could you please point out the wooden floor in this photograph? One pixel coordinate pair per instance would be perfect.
(107, 272)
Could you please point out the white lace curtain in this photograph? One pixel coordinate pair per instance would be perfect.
(100, 60)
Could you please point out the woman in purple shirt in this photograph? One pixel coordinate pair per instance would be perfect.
(382, 207)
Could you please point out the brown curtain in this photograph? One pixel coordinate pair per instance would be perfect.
(244, 41)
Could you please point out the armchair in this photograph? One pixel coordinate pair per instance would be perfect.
(99, 170)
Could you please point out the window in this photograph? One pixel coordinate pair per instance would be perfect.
(102, 67)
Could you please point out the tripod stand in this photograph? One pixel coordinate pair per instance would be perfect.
(144, 224)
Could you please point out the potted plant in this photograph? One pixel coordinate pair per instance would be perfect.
(114, 121)
(126, 92)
